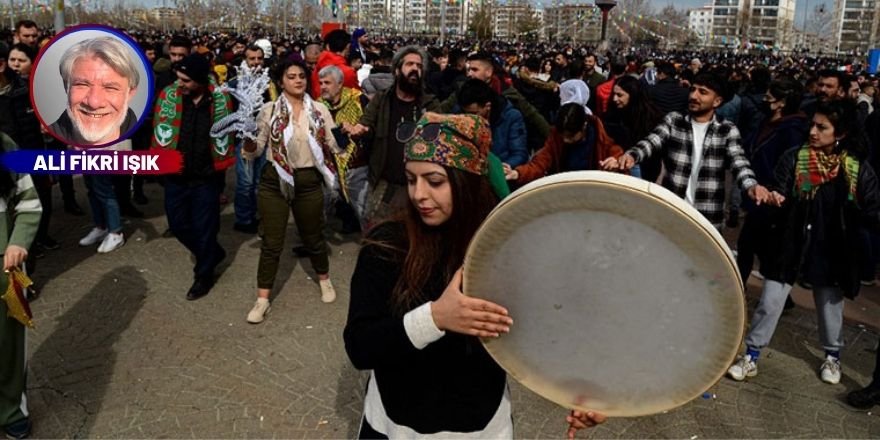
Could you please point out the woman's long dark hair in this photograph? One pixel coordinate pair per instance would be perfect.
(640, 115)
(432, 248)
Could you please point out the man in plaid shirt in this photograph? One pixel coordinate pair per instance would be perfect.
(696, 151)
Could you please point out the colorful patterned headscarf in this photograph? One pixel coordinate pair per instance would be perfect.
(456, 141)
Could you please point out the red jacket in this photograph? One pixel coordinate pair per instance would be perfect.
(603, 96)
(327, 58)
(548, 159)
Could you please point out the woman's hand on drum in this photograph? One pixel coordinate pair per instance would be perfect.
(458, 313)
(582, 420)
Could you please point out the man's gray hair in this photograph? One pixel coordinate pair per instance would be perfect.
(333, 71)
(110, 50)
(397, 61)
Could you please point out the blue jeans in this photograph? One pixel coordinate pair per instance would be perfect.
(102, 199)
(193, 212)
(247, 179)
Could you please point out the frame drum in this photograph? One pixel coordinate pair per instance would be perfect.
(625, 299)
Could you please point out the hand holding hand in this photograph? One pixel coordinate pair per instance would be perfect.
(759, 194)
(458, 313)
(610, 164)
(625, 162)
(582, 420)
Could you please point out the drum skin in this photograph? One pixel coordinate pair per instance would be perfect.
(625, 300)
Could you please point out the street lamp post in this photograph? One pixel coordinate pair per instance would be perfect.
(605, 6)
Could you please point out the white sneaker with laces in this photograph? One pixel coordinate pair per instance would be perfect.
(94, 237)
(259, 312)
(111, 242)
(830, 370)
(328, 293)
(743, 368)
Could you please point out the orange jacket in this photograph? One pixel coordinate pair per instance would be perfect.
(548, 159)
(327, 58)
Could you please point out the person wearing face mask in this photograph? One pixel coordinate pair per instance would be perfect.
(785, 128)
(577, 142)
(295, 133)
(828, 192)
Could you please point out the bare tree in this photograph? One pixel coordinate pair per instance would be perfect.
(481, 23)
(820, 21)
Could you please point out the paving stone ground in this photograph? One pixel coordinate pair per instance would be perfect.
(119, 353)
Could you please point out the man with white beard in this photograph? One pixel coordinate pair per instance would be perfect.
(100, 76)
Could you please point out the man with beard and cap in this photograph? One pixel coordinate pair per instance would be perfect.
(185, 112)
(387, 123)
(696, 150)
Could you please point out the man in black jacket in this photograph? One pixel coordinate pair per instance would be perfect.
(668, 95)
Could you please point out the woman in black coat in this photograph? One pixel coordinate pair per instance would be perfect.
(785, 128)
(829, 192)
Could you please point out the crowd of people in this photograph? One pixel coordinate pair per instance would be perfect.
(411, 144)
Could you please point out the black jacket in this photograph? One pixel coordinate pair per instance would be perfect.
(819, 240)
(669, 96)
(450, 385)
(17, 116)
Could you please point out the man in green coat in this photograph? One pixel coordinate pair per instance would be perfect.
(18, 227)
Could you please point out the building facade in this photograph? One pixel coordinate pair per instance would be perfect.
(762, 23)
(700, 22)
(576, 23)
(856, 25)
(509, 20)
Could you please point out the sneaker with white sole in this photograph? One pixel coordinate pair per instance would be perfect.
(830, 370)
(743, 368)
(95, 236)
(111, 242)
(259, 312)
(328, 293)
(757, 275)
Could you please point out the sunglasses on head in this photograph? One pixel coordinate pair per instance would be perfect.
(406, 131)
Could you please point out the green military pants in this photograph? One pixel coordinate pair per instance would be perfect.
(308, 214)
(13, 371)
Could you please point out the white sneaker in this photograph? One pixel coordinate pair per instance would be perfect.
(328, 293)
(259, 312)
(830, 370)
(111, 242)
(757, 275)
(94, 237)
(743, 368)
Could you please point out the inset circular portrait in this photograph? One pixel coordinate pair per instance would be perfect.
(91, 86)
